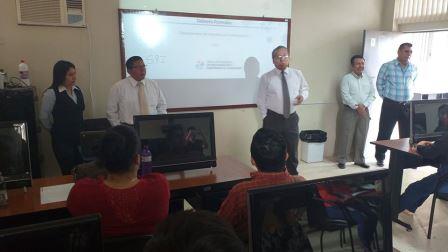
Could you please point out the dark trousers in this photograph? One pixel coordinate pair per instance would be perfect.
(67, 154)
(391, 113)
(417, 192)
(289, 128)
(364, 217)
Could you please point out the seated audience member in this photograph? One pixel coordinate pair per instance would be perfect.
(194, 231)
(443, 118)
(360, 212)
(268, 152)
(417, 192)
(128, 205)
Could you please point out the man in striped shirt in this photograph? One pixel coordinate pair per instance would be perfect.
(395, 84)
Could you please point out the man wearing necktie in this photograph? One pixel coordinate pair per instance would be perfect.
(134, 95)
(280, 90)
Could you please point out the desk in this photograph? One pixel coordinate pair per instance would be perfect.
(400, 158)
(228, 172)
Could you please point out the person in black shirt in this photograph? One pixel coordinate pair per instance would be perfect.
(62, 114)
(443, 119)
(417, 192)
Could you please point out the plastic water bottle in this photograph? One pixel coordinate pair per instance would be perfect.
(24, 73)
(3, 193)
(145, 162)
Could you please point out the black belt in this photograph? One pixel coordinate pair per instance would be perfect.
(405, 103)
(270, 112)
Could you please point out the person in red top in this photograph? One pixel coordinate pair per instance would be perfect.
(268, 155)
(128, 205)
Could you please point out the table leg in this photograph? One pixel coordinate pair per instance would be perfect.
(396, 165)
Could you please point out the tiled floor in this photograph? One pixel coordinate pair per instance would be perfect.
(402, 240)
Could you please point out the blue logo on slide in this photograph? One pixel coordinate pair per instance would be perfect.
(200, 64)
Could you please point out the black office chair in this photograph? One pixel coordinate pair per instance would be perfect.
(134, 243)
(326, 224)
(321, 221)
(437, 195)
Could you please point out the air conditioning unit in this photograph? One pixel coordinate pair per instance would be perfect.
(51, 12)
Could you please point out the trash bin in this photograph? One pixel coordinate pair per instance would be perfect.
(313, 145)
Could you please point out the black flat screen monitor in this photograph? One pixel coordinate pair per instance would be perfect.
(177, 142)
(15, 163)
(429, 119)
(291, 217)
(70, 234)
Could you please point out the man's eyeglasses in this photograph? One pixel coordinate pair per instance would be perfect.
(281, 58)
(139, 66)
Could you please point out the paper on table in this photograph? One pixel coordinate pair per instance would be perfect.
(57, 193)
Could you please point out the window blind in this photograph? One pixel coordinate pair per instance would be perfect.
(420, 11)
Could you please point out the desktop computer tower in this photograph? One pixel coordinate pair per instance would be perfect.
(17, 104)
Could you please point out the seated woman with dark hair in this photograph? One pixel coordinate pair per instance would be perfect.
(128, 205)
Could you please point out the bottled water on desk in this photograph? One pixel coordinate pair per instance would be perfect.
(3, 193)
(145, 162)
(24, 73)
(3, 79)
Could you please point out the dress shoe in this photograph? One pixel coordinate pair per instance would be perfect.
(341, 166)
(363, 165)
(380, 163)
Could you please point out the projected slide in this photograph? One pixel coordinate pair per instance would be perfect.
(220, 58)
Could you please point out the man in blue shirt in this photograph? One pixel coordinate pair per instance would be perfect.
(357, 94)
(395, 84)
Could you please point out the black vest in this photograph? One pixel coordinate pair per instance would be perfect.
(67, 116)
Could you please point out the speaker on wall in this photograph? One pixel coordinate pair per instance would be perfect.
(17, 104)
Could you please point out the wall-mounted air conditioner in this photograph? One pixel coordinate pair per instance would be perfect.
(51, 12)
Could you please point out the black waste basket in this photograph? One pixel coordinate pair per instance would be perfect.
(313, 136)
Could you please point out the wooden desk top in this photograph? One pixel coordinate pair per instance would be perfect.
(396, 144)
(228, 169)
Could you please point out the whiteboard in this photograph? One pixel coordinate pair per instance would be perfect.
(199, 60)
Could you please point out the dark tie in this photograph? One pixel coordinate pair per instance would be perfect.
(286, 98)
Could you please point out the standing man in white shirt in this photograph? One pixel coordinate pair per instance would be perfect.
(134, 95)
(357, 93)
(281, 89)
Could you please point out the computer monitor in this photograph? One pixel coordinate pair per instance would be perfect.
(178, 142)
(70, 234)
(429, 119)
(90, 144)
(15, 162)
(289, 217)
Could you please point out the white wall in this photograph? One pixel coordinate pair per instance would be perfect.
(325, 33)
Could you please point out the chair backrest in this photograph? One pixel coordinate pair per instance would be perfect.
(126, 243)
(70, 234)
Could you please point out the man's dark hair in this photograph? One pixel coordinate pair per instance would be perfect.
(194, 231)
(402, 46)
(118, 147)
(276, 49)
(60, 70)
(268, 150)
(354, 57)
(130, 62)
